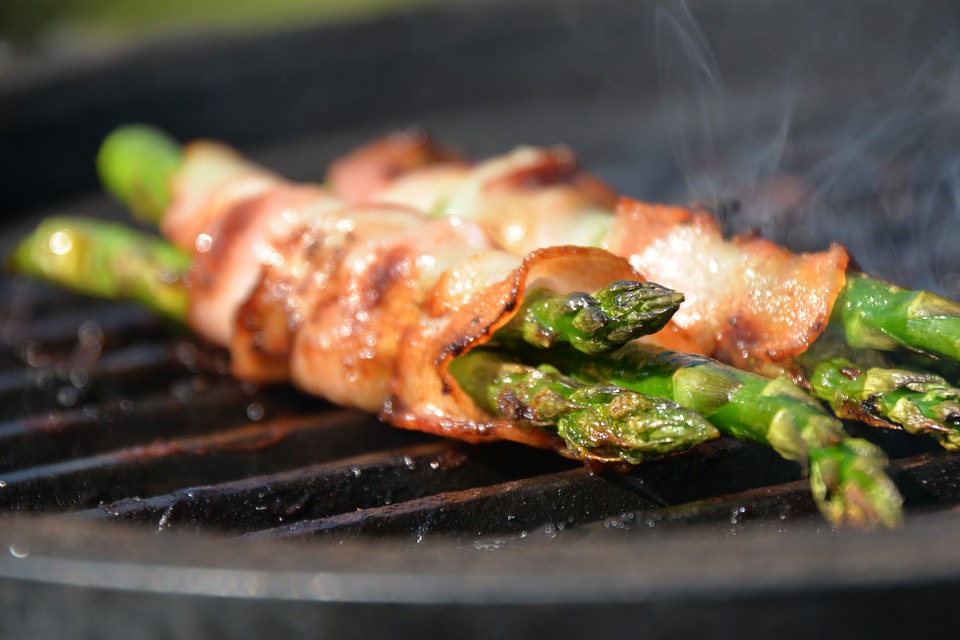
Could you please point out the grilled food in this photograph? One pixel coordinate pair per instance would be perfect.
(460, 299)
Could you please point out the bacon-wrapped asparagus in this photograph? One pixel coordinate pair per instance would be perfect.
(748, 303)
(428, 322)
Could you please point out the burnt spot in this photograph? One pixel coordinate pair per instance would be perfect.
(557, 166)
(851, 373)
(453, 349)
(729, 207)
(511, 407)
(867, 412)
(392, 267)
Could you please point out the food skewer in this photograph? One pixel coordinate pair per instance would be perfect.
(562, 204)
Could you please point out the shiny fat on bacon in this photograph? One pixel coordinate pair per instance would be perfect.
(749, 302)
(364, 304)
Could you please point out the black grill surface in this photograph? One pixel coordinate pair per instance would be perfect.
(145, 492)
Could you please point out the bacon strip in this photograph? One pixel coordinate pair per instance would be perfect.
(749, 302)
(371, 167)
(366, 304)
(424, 396)
(362, 304)
(213, 178)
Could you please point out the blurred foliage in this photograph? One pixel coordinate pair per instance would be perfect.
(110, 21)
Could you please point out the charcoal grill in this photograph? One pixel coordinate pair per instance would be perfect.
(146, 493)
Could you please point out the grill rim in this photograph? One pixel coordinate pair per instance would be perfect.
(809, 559)
(820, 562)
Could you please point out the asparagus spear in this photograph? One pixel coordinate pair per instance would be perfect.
(600, 422)
(135, 164)
(106, 260)
(865, 385)
(597, 323)
(917, 402)
(878, 315)
(847, 475)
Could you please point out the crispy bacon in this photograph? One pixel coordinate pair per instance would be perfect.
(212, 180)
(748, 301)
(423, 394)
(366, 303)
(234, 248)
(363, 304)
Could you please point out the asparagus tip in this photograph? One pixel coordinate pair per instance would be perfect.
(851, 487)
(135, 163)
(919, 403)
(597, 323)
(612, 424)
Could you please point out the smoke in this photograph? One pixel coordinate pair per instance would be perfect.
(889, 185)
(875, 167)
(722, 163)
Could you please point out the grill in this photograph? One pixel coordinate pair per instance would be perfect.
(138, 480)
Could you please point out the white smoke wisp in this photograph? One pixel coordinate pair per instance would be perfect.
(889, 187)
(878, 171)
(724, 163)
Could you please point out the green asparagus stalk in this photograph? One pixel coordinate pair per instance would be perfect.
(878, 315)
(916, 402)
(106, 260)
(596, 323)
(135, 164)
(599, 422)
(847, 475)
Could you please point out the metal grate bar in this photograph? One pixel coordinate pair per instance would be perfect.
(166, 465)
(191, 406)
(311, 492)
(56, 328)
(566, 498)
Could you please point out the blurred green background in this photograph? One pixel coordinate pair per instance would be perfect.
(107, 22)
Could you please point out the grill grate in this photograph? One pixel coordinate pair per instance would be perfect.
(119, 419)
(128, 455)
